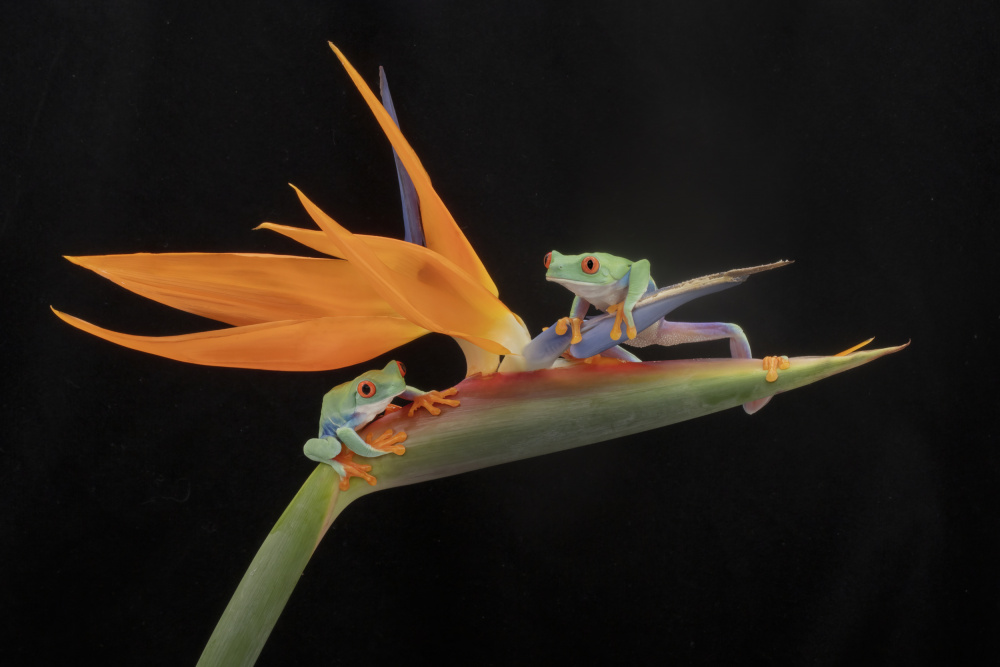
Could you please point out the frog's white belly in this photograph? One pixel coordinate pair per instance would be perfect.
(361, 415)
(366, 413)
(601, 296)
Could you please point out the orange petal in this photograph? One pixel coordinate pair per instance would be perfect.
(322, 242)
(244, 289)
(442, 233)
(426, 288)
(310, 345)
(311, 238)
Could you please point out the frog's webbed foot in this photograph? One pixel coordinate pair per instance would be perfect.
(566, 323)
(429, 399)
(772, 364)
(616, 331)
(387, 442)
(615, 355)
(345, 466)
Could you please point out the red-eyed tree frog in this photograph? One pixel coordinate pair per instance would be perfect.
(614, 284)
(351, 405)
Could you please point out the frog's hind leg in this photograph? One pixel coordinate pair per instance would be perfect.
(324, 450)
(675, 333)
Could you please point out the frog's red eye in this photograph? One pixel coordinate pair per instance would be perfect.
(366, 389)
(590, 264)
(547, 260)
(402, 368)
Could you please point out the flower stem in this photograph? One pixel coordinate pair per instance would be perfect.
(260, 597)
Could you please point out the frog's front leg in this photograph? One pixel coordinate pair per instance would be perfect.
(579, 308)
(639, 283)
(576, 314)
(428, 400)
(384, 444)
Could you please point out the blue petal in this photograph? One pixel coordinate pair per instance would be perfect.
(413, 227)
(545, 348)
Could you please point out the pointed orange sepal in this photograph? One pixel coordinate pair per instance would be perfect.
(311, 238)
(243, 289)
(310, 345)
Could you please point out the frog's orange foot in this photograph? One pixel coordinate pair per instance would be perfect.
(392, 407)
(596, 360)
(565, 324)
(616, 331)
(430, 398)
(351, 469)
(387, 442)
(772, 364)
(601, 360)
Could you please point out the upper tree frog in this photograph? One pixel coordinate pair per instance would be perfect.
(351, 405)
(615, 284)
(610, 283)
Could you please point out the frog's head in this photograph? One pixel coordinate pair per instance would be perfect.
(374, 390)
(592, 268)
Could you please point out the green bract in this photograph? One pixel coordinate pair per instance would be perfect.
(503, 417)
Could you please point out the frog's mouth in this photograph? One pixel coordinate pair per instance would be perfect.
(577, 286)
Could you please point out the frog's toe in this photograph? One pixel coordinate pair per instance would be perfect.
(772, 365)
(387, 442)
(565, 324)
(616, 330)
(429, 399)
(347, 468)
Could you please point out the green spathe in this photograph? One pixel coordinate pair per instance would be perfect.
(503, 417)
(506, 417)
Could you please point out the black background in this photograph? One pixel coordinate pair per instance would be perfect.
(852, 520)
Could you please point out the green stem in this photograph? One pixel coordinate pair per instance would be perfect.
(260, 598)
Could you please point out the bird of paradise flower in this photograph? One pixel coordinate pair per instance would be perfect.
(375, 294)
(303, 314)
